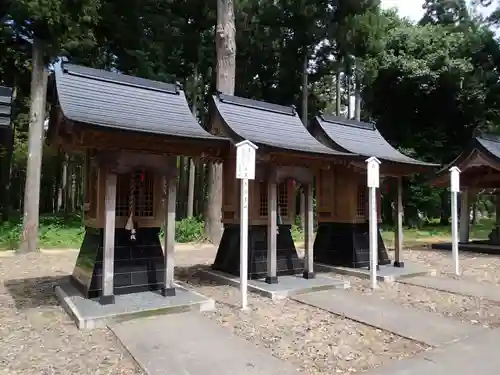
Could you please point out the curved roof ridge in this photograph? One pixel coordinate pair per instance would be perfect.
(269, 124)
(119, 101)
(361, 138)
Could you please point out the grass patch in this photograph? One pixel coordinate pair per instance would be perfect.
(67, 232)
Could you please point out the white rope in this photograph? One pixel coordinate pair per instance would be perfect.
(131, 207)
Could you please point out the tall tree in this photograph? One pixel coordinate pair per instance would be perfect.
(225, 41)
(51, 26)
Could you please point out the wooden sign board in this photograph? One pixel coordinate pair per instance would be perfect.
(455, 179)
(373, 171)
(245, 160)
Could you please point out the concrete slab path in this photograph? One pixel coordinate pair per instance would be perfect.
(422, 326)
(457, 286)
(477, 354)
(191, 344)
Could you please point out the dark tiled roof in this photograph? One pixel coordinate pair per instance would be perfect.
(487, 144)
(490, 143)
(124, 102)
(5, 106)
(268, 124)
(361, 138)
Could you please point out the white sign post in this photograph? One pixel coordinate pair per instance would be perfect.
(245, 170)
(373, 182)
(455, 189)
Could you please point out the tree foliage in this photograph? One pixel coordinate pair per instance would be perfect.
(428, 86)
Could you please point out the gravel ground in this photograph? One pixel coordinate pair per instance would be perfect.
(468, 309)
(37, 337)
(316, 341)
(475, 267)
(478, 267)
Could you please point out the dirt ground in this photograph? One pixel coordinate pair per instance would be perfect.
(39, 338)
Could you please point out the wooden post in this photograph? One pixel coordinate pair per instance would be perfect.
(169, 244)
(272, 229)
(464, 216)
(108, 269)
(398, 240)
(308, 233)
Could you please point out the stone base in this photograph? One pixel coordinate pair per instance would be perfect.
(347, 245)
(90, 313)
(287, 286)
(482, 247)
(139, 265)
(386, 273)
(228, 254)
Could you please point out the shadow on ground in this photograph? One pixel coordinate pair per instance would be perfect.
(191, 275)
(33, 292)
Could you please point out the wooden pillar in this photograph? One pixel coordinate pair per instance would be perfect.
(108, 257)
(169, 240)
(272, 228)
(398, 240)
(308, 233)
(464, 216)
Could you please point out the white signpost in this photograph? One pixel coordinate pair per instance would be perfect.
(455, 189)
(373, 182)
(245, 170)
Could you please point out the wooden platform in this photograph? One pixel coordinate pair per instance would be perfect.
(483, 247)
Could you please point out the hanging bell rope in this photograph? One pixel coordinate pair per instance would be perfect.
(131, 207)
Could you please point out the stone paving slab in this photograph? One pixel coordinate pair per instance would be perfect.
(287, 286)
(89, 313)
(422, 326)
(457, 286)
(191, 344)
(387, 273)
(477, 354)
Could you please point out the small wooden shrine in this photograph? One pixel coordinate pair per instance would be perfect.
(130, 131)
(342, 236)
(479, 166)
(287, 154)
(5, 115)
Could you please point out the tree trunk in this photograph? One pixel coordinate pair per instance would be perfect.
(348, 93)
(305, 95)
(445, 209)
(192, 168)
(337, 91)
(28, 241)
(357, 95)
(61, 196)
(182, 189)
(225, 41)
(7, 165)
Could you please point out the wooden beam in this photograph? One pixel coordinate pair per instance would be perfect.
(272, 228)
(108, 269)
(398, 240)
(169, 240)
(309, 233)
(464, 216)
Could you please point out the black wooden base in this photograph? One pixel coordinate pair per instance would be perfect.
(168, 292)
(399, 264)
(308, 275)
(347, 245)
(228, 254)
(272, 279)
(138, 265)
(107, 300)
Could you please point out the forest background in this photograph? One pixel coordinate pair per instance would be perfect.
(428, 85)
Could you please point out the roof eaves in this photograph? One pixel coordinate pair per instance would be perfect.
(255, 104)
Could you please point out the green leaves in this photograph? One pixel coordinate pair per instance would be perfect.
(60, 24)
